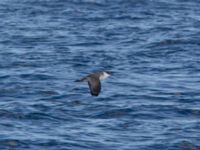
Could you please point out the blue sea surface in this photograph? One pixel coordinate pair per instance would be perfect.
(151, 102)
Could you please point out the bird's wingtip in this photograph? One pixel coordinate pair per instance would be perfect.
(77, 81)
(80, 80)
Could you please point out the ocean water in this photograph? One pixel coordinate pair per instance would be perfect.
(151, 102)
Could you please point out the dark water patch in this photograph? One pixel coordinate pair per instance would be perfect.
(189, 112)
(37, 76)
(20, 64)
(4, 76)
(187, 145)
(9, 91)
(111, 114)
(75, 103)
(28, 114)
(9, 143)
(68, 144)
(9, 114)
(171, 42)
(54, 97)
(86, 44)
(91, 4)
(40, 116)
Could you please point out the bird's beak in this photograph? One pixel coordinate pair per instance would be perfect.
(110, 73)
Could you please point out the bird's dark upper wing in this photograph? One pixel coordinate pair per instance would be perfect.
(95, 85)
(82, 79)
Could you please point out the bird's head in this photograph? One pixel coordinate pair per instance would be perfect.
(105, 74)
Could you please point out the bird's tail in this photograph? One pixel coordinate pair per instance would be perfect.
(81, 80)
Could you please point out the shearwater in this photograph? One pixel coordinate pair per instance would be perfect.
(94, 81)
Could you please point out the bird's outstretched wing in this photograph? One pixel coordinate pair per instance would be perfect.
(95, 85)
(81, 80)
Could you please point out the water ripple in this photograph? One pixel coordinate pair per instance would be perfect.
(150, 102)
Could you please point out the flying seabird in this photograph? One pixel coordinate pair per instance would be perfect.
(94, 81)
